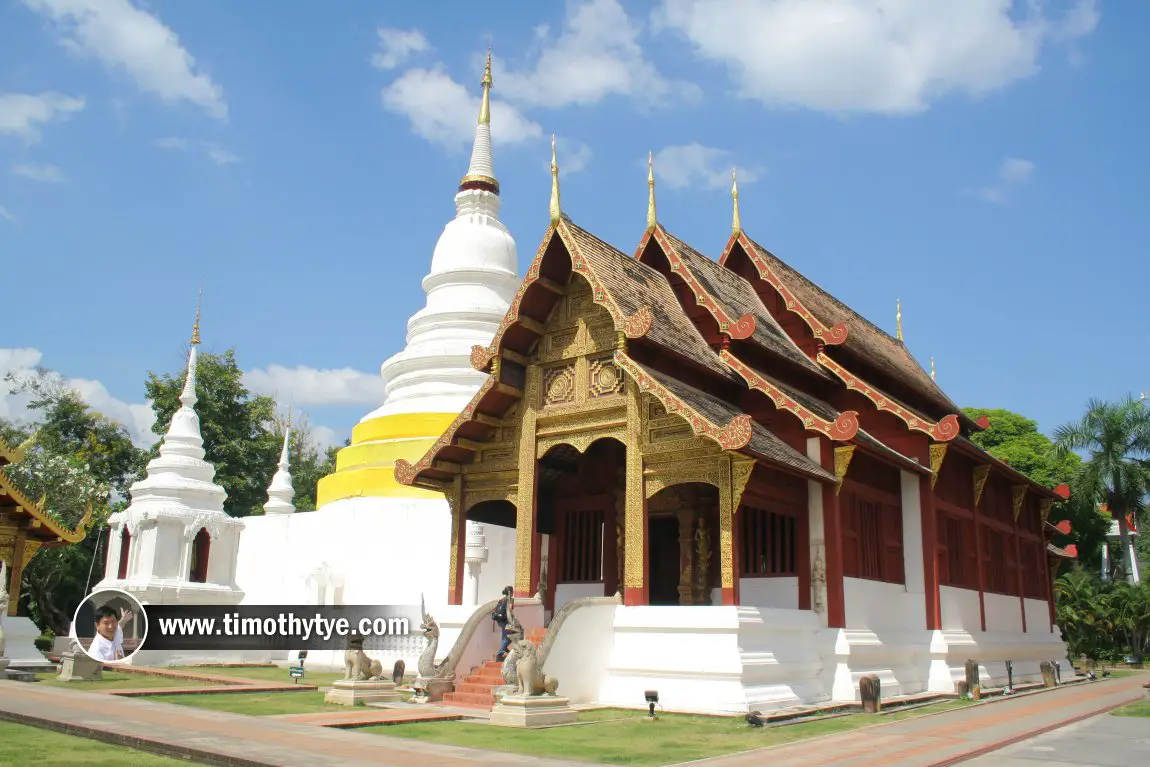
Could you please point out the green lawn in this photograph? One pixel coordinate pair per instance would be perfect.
(1141, 708)
(116, 680)
(265, 674)
(24, 745)
(672, 738)
(256, 703)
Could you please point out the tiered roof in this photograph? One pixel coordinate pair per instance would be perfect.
(18, 510)
(705, 368)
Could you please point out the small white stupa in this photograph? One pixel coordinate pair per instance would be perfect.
(281, 493)
(175, 544)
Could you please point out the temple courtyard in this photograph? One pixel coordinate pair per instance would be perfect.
(257, 716)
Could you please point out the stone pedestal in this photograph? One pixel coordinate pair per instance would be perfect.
(347, 692)
(532, 711)
(76, 666)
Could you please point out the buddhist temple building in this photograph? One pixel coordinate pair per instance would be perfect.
(782, 497)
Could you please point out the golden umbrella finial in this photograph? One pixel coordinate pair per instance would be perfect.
(485, 104)
(898, 318)
(196, 325)
(556, 210)
(652, 220)
(736, 223)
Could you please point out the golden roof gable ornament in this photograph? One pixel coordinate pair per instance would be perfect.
(486, 82)
(196, 324)
(556, 210)
(736, 223)
(898, 319)
(652, 219)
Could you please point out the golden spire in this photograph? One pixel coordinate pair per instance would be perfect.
(485, 105)
(898, 318)
(932, 368)
(556, 211)
(196, 326)
(736, 224)
(652, 220)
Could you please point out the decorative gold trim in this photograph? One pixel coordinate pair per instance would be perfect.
(635, 522)
(737, 328)
(555, 210)
(937, 454)
(1019, 495)
(843, 456)
(943, 431)
(1044, 507)
(980, 475)
(40, 516)
(741, 471)
(453, 503)
(832, 336)
(527, 482)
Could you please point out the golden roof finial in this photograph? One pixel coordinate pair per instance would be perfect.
(736, 223)
(196, 325)
(898, 318)
(652, 219)
(556, 211)
(485, 104)
(932, 368)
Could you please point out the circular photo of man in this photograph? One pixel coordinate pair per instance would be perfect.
(110, 626)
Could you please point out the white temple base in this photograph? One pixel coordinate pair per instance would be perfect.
(532, 711)
(347, 692)
(20, 635)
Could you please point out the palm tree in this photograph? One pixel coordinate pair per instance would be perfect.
(1117, 473)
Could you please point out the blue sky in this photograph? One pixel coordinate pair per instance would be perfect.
(984, 161)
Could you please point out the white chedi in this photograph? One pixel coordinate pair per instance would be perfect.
(281, 493)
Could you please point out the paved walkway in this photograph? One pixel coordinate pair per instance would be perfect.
(948, 738)
(235, 740)
(365, 716)
(1100, 741)
(232, 740)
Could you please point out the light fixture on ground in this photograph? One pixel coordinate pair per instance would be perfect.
(652, 698)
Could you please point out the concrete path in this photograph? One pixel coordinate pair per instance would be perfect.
(951, 737)
(1100, 741)
(231, 740)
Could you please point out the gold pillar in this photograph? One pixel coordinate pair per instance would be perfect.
(687, 516)
(525, 506)
(635, 525)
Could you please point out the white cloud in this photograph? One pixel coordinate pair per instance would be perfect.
(597, 54)
(443, 111)
(309, 386)
(214, 152)
(1013, 173)
(8, 215)
(325, 437)
(678, 167)
(878, 56)
(45, 174)
(137, 418)
(22, 114)
(125, 37)
(397, 45)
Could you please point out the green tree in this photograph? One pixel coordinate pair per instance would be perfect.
(1016, 439)
(238, 427)
(74, 459)
(1117, 471)
(308, 461)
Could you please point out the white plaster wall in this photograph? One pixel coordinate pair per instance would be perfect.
(1003, 613)
(770, 592)
(875, 604)
(499, 570)
(1037, 616)
(912, 543)
(959, 609)
(566, 592)
(581, 651)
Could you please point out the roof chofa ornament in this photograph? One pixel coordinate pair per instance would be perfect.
(736, 223)
(898, 319)
(556, 209)
(652, 219)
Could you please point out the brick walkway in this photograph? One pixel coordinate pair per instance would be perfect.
(947, 738)
(235, 740)
(367, 716)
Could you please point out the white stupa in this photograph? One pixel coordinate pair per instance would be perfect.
(281, 493)
(175, 543)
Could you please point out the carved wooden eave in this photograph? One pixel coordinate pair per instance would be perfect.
(985, 462)
(10, 453)
(39, 522)
(632, 326)
(943, 430)
(981, 473)
(1018, 498)
(831, 336)
(937, 456)
(843, 456)
(737, 328)
(842, 429)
